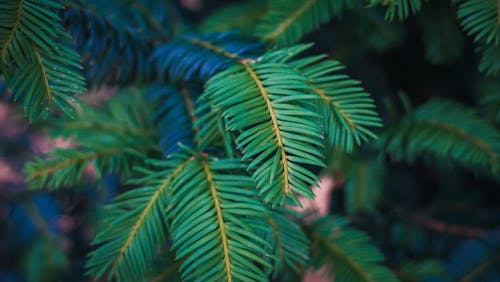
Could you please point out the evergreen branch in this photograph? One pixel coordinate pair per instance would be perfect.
(287, 21)
(479, 18)
(401, 9)
(271, 112)
(217, 50)
(238, 16)
(12, 28)
(289, 243)
(220, 221)
(62, 160)
(200, 57)
(347, 110)
(275, 127)
(135, 224)
(116, 150)
(445, 129)
(346, 251)
(36, 58)
(112, 39)
(214, 222)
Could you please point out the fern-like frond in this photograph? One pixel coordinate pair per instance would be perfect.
(480, 18)
(215, 216)
(445, 129)
(236, 17)
(135, 224)
(288, 20)
(346, 251)
(401, 9)
(269, 105)
(290, 244)
(113, 139)
(199, 57)
(477, 260)
(347, 111)
(36, 57)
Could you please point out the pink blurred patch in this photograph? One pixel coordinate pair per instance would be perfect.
(90, 170)
(193, 5)
(8, 174)
(320, 275)
(321, 203)
(12, 122)
(317, 207)
(44, 144)
(98, 96)
(66, 223)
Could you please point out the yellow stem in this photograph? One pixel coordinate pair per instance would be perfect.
(68, 162)
(220, 220)
(214, 48)
(274, 120)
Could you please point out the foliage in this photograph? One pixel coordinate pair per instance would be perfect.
(122, 136)
(287, 21)
(347, 251)
(445, 129)
(226, 116)
(37, 59)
